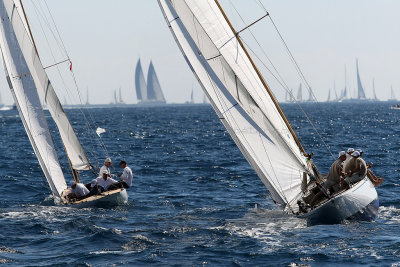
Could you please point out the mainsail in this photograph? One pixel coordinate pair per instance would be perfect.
(154, 92)
(18, 28)
(361, 93)
(20, 72)
(239, 95)
(140, 83)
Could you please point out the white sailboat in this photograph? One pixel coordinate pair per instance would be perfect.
(250, 113)
(300, 94)
(140, 83)
(29, 83)
(154, 92)
(360, 89)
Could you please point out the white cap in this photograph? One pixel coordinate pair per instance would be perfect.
(342, 153)
(72, 183)
(105, 172)
(355, 154)
(350, 150)
(107, 160)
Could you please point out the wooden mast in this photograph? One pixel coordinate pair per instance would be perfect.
(74, 172)
(261, 78)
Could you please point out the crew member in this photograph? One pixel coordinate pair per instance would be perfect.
(78, 190)
(105, 182)
(127, 176)
(333, 179)
(106, 167)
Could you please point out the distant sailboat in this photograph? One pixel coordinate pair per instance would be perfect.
(120, 101)
(373, 90)
(360, 89)
(28, 82)
(154, 92)
(392, 95)
(192, 97)
(329, 96)
(140, 83)
(300, 94)
(310, 97)
(334, 89)
(87, 97)
(252, 116)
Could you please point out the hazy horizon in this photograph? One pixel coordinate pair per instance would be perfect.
(105, 41)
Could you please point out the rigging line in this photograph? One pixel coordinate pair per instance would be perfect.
(59, 72)
(56, 63)
(87, 123)
(298, 70)
(281, 81)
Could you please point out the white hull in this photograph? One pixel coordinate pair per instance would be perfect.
(360, 202)
(109, 198)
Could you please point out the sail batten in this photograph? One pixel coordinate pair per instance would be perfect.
(73, 147)
(238, 95)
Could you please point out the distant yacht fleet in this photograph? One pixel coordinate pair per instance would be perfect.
(345, 94)
(151, 92)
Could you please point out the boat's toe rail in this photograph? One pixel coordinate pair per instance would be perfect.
(95, 197)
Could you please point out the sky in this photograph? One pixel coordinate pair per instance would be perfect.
(105, 38)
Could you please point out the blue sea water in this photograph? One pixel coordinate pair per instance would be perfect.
(195, 199)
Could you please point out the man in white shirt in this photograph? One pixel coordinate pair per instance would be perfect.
(106, 182)
(106, 167)
(78, 190)
(127, 176)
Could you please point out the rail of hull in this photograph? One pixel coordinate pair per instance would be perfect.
(109, 198)
(360, 202)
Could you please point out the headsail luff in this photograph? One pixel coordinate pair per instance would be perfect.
(140, 83)
(238, 95)
(154, 92)
(73, 147)
(26, 97)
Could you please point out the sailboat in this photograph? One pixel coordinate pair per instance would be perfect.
(373, 90)
(249, 111)
(140, 83)
(329, 96)
(360, 89)
(300, 94)
(29, 83)
(154, 92)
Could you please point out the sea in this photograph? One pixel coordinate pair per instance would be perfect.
(195, 201)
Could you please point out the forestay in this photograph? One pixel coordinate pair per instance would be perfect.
(74, 149)
(27, 99)
(238, 95)
(140, 83)
(154, 91)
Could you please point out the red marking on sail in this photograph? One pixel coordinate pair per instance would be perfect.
(70, 65)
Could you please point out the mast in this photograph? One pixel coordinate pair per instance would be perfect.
(29, 27)
(261, 78)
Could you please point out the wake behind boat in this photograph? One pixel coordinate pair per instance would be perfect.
(249, 111)
(30, 85)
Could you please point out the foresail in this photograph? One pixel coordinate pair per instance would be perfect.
(27, 100)
(74, 149)
(237, 95)
(154, 91)
(140, 83)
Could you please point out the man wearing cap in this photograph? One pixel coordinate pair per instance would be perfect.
(78, 190)
(105, 182)
(333, 179)
(106, 167)
(356, 171)
(127, 176)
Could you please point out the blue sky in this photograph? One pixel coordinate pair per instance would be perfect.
(105, 39)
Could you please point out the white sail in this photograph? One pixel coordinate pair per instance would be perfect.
(140, 83)
(360, 89)
(300, 94)
(26, 97)
(238, 95)
(329, 96)
(74, 149)
(392, 95)
(154, 92)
